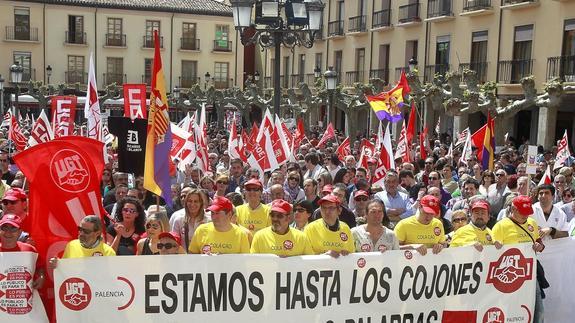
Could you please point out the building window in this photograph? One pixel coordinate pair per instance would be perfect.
(359, 65)
(189, 74)
(189, 40)
(22, 23)
(148, 71)
(410, 51)
(115, 70)
(221, 75)
(115, 36)
(25, 60)
(478, 60)
(340, 10)
(441, 58)
(151, 26)
(75, 33)
(285, 77)
(382, 72)
(568, 59)
(301, 66)
(338, 61)
(222, 43)
(75, 73)
(521, 64)
(318, 60)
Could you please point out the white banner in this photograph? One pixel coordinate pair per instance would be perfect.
(458, 285)
(18, 301)
(557, 260)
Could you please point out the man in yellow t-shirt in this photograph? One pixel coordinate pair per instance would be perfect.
(475, 233)
(423, 230)
(279, 238)
(254, 215)
(330, 235)
(508, 231)
(220, 236)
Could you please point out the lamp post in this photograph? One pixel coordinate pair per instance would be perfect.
(16, 71)
(1, 95)
(412, 64)
(330, 84)
(257, 77)
(288, 22)
(49, 73)
(206, 80)
(317, 72)
(176, 97)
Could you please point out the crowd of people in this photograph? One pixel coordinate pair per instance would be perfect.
(320, 204)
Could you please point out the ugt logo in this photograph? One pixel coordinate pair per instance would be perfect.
(75, 294)
(508, 273)
(69, 171)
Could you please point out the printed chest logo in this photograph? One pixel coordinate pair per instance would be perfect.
(288, 245)
(508, 273)
(437, 231)
(206, 249)
(75, 294)
(530, 228)
(343, 236)
(488, 237)
(365, 247)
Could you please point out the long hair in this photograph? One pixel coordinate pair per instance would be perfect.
(139, 222)
(198, 192)
(385, 220)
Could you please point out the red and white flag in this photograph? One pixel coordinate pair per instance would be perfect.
(438, 126)
(411, 124)
(462, 137)
(135, 101)
(259, 158)
(379, 137)
(251, 142)
(466, 152)
(562, 151)
(344, 149)
(92, 107)
(386, 161)
(236, 144)
(6, 119)
(327, 135)
(41, 131)
(283, 143)
(179, 139)
(299, 134)
(63, 114)
(15, 134)
(403, 146)
(201, 142)
(367, 151)
(546, 179)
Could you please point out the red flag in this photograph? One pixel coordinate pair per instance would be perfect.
(15, 134)
(386, 161)
(478, 136)
(327, 135)
(343, 149)
(251, 142)
(422, 143)
(404, 84)
(135, 101)
(236, 144)
(546, 179)
(287, 134)
(367, 150)
(63, 114)
(411, 123)
(299, 133)
(403, 147)
(562, 151)
(41, 130)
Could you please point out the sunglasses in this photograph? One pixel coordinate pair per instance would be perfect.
(293, 179)
(222, 182)
(361, 199)
(84, 231)
(152, 225)
(567, 195)
(9, 228)
(6, 202)
(459, 220)
(499, 175)
(433, 178)
(128, 210)
(167, 246)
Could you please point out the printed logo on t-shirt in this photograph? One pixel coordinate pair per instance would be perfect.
(133, 137)
(288, 245)
(365, 247)
(382, 248)
(97, 254)
(530, 227)
(343, 236)
(488, 237)
(251, 227)
(206, 249)
(437, 231)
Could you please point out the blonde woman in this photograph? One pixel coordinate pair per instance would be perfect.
(156, 223)
(187, 220)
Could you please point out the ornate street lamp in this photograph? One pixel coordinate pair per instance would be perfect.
(317, 72)
(330, 84)
(257, 76)
(412, 64)
(206, 80)
(16, 71)
(49, 72)
(276, 22)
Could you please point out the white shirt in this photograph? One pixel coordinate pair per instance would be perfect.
(557, 219)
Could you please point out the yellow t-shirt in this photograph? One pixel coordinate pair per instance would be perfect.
(323, 240)
(507, 232)
(254, 220)
(75, 250)
(293, 243)
(470, 234)
(410, 231)
(207, 239)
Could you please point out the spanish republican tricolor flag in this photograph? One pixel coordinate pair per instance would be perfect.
(387, 105)
(159, 139)
(484, 140)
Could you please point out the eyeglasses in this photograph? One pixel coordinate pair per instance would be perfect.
(9, 228)
(252, 189)
(299, 210)
(433, 178)
(129, 210)
(559, 182)
(84, 231)
(459, 220)
(167, 246)
(6, 202)
(293, 178)
(500, 174)
(152, 225)
(361, 199)
(222, 182)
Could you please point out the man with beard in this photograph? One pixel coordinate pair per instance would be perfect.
(476, 233)
(89, 242)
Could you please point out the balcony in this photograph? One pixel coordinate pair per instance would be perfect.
(381, 19)
(382, 74)
(27, 76)
(115, 40)
(357, 24)
(21, 33)
(296, 79)
(117, 78)
(148, 42)
(518, 4)
(188, 81)
(222, 46)
(189, 43)
(398, 71)
(431, 70)
(476, 7)
(511, 72)
(478, 67)
(222, 82)
(353, 77)
(562, 67)
(439, 10)
(76, 38)
(335, 28)
(409, 15)
(73, 77)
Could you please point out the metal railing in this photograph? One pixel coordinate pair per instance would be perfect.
(431, 70)
(117, 78)
(353, 77)
(562, 67)
(296, 79)
(148, 42)
(187, 81)
(472, 5)
(381, 18)
(357, 24)
(73, 77)
(310, 79)
(509, 2)
(409, 13)
(222, 83)
(382, 74)
(398, 71)
(28, 75)
(318, 35)
(73, 37)
(478, 67)
(512, 71)
(21, 33)
(335, 28)
(189, 43)
(439, 8)
(222, 46)
(117, 40)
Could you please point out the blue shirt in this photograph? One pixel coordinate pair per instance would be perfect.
(399, 201)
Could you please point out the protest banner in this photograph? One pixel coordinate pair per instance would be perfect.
(457, 285)
(557, 261)
(18, 301)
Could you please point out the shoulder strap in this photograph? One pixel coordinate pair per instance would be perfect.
(522, 228)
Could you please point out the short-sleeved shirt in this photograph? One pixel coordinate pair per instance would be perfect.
(293, 243)
(470, 234)
(410, 231)
(507, 232)
(364, 243)
(322, 239)
(74, 249)
(209, 240)
(254, 219)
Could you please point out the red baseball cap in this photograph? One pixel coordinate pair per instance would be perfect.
(480, 204)
(523, 204)
(281, 206)
(360, 193)
(430, 204)
(221, 204)
(254, 182)
(11, 219)
(170, 235)
(14, 194)
(329, 198)
(328, 188)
